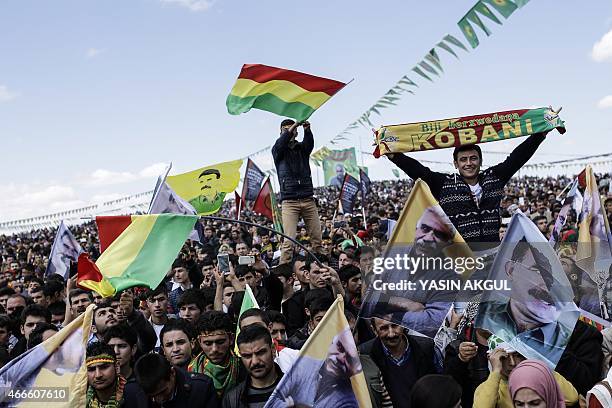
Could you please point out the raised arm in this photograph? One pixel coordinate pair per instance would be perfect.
(308, 141)
(519, 156)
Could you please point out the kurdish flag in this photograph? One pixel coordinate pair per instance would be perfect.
(138, 250)
(281, 91)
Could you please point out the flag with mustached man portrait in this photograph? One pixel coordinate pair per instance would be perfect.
(534, 313)
(423, 231)
(327, 371)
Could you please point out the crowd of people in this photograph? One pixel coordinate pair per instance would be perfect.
(176, 346)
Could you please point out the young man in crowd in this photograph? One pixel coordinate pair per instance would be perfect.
(178, 340)
(157, 303)
(350, 276)
(257, 356)
(191, 305)
(37, 295)
(123, 339)
(78, 299)
(159, 384)
(180, 283)
(105, 387)
(217, 360)
(30, 317)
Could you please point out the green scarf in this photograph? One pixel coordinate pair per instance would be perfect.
(224, 377)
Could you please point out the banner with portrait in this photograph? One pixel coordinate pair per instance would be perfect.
(337, 163)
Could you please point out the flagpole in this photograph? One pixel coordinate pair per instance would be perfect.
(251, 224)
(365, 225)
(239, 209)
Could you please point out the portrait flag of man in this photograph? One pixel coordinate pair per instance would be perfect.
(594, 251)
(423, 231)
(327, 371)
(282, 91)
(205, 188)
(536, 314)
(65, 250)
(573, 200)
(139, 251)
(56, 363)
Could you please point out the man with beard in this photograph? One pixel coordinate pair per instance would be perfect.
(216, 334)
(104, 383)
(531, 313)
(257, 355)
(78, 299)
(178, 341)
(104, 317)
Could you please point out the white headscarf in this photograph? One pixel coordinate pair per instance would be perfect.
(601, 392)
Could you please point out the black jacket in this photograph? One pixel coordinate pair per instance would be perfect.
(292, 162)
(468, 375)
(299, 338)
(192, 391)
(581, 361)
(237, 396)
(293, 309)
(475, 223)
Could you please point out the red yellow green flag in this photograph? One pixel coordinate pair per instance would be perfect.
(281, 91)
(140, 255)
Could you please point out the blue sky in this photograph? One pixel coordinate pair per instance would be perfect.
(96, 95)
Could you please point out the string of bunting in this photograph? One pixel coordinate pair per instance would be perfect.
(430, 65)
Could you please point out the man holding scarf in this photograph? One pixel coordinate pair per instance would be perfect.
(472, 200)
(217, 360)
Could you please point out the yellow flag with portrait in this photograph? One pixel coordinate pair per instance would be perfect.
(205, 188)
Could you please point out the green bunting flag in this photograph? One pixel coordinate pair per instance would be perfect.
(395, 172)
(468, 32)
(485, 11)
(453, 40)
(473, 17)
(434, 59)
(428, 68)
(448, 49)
(421, 73)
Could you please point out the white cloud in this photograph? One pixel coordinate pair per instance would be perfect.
(193, 5)
(21, 201)
(605, 102)
(103, 177)
(153, 170)
(6, 95)
(602, 49)
(93, 52)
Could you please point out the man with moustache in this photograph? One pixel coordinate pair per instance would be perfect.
(531, 313)
(401, 358)
(257, 355)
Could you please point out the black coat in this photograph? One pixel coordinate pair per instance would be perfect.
(468, 375)
(292, 162)
(581, 361)
(237, 396)
(192, 391)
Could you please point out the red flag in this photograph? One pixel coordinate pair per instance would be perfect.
(263, 203)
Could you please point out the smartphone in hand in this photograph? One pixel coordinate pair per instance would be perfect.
(223, 263)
